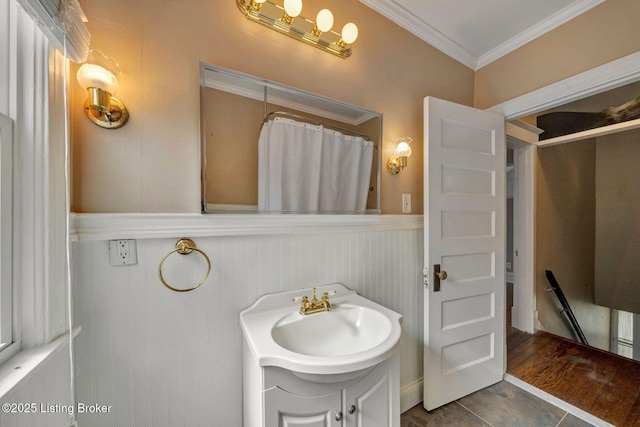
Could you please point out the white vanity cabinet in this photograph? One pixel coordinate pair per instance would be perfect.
(337, 367)
(375, 399)
(287, 409)
(370, 398)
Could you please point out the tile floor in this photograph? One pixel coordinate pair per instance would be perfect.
(501, 405)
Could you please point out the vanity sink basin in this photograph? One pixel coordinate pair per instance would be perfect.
(346, 329)
(355, 334)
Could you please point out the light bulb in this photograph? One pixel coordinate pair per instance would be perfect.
(403, 149)
(92, 75)
(257, 4)
(349, 33)
(293, 7)
(324, 20)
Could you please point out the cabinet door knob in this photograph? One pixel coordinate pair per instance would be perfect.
(339, 416)
(352, 409)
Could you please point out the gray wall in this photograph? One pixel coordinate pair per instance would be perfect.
(565, 239)
(617, 257)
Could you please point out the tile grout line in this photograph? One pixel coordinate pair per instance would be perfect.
(562, 419)
(476, 415)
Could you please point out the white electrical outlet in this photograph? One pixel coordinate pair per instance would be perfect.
(122, 252)
(406, 203)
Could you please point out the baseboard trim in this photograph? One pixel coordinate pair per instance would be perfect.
(577, 412)
(411, 394)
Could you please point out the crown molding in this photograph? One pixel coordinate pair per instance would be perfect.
(426, 32)
(557, 19)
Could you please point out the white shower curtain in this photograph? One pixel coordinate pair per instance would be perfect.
(308, 168)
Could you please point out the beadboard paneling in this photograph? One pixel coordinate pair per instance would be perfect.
(47, 385)
(163, 358)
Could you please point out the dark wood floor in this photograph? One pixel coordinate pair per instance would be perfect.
(601, 383)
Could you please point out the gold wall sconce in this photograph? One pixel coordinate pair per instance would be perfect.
(287, 20)
(98, 77)
(401, 153)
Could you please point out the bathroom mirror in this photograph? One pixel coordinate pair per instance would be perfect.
(258, 136)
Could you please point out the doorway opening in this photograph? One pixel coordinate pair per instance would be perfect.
(609, 76)
(510, 250)
(600, 79)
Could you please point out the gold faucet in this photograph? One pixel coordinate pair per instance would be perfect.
(315, 305)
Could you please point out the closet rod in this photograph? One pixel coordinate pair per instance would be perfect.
(317, 122)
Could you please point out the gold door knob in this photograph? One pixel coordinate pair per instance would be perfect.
(442, 275)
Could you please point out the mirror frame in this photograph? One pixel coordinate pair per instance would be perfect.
(267, 84)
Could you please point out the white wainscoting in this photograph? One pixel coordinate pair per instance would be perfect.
(46, 385)
(163, 358)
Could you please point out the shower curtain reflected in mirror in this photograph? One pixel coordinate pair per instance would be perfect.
(309, 168)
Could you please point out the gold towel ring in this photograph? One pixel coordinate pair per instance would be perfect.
(185, 247)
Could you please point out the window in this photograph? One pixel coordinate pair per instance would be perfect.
(6, 216)
(625, 334)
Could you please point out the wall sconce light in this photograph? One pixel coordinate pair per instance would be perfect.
(286, 19)
(98, 77)
(398, 161)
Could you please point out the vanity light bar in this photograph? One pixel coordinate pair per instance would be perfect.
(300, 28)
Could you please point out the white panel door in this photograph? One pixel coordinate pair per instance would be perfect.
(465, 237)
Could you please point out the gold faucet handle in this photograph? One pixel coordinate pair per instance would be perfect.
(325, 301)
(305, 302)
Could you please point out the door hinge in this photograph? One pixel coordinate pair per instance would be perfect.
(425, 276)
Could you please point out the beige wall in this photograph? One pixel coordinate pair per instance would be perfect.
(603, 34)
(232, 147)
(152, 164)
(565, 239)
(618, 221)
